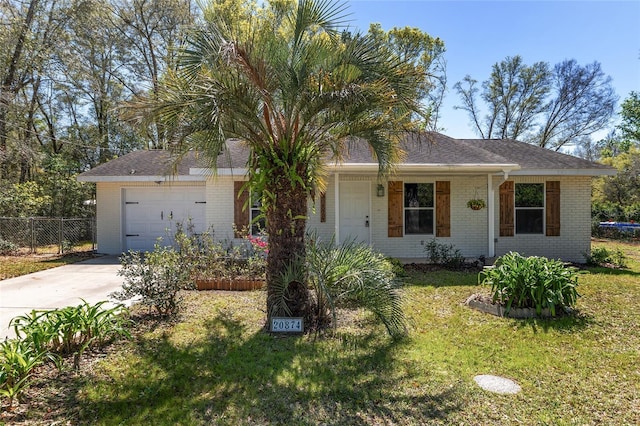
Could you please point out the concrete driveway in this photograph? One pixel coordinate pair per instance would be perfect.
(92, 280)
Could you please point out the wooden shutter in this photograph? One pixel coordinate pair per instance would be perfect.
(443, 209)
(395, 219)
(553, 208)
(240, 213)
(507, 207)
(323, 207)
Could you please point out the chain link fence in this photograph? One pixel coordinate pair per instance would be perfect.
(49, 235)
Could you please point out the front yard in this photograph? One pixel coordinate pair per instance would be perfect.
(216, 366)
(14, 266)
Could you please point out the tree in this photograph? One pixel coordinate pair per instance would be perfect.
(296, 93)
(618, 197)
(630, 115)
(151, 29)
(550, 108)
(583, 102)
(425, 54)
(514, 95)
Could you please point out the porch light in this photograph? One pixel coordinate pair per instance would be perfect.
(380, 190)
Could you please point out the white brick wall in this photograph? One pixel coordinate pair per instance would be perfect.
(469, 228)
(575, 223)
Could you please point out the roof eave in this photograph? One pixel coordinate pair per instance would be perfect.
(428, 168)
(129, 178)
(565, 172)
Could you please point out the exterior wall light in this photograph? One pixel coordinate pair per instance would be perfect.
(380, 190)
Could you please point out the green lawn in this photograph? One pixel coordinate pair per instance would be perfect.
(216, 366)
(15, 266)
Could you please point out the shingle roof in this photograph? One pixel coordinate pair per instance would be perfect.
(158, 162)
(531, 156)
(429, 149)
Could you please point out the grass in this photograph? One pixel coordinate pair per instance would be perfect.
(215, 365)
(15, 266)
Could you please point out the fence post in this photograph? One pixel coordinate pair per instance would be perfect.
(61, 236)
(32, 227)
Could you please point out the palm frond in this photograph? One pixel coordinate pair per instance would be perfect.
(353, 274)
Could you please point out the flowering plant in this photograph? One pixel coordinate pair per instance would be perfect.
(259, 243)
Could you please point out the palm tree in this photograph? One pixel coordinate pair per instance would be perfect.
(296, 88)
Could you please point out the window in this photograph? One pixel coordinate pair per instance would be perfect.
(418, 208)
(529, 206)
(256, 218)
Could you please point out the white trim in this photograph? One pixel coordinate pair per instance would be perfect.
(490, 217)
(130, 178)
(202, 174)
(564, 172)
(433, 168)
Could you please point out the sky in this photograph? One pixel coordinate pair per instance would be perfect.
(478, 34)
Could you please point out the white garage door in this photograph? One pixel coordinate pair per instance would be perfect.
(150, 213)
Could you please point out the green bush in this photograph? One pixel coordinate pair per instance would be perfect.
(353, 275)
(444, 254)
(18, 359)
(531, 282)
(48, 335)
(398, 267)
(156, 278)
(601, 256)
(73, 329)
(7, 248)
(206, 258)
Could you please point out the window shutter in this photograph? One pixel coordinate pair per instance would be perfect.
(553, 208)
(240, 213)
(507, 214)
(323, 207)
(443, 209)
(394, 221)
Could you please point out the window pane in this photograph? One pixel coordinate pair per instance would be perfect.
(256, 200)
(259, 225)
(529, 195)
(418, 221)
(529, 221)
(418, 195)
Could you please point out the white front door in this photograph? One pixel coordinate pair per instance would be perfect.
(150, 213)
(355, 211)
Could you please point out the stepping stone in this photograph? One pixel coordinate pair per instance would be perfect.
(497, 384)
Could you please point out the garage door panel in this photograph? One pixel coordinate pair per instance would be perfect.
(153, 212)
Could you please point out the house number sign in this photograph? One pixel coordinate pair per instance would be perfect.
(286, 325)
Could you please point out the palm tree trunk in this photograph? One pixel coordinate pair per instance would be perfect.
(286, 226)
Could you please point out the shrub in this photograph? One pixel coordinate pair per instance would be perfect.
(444, 254)
(353, 275)
(397, 266)
(156, 278)
(73, 329)
(601, 256)
(206, 258)
(7, 248)
(531, 282)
